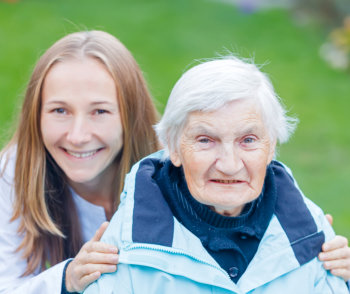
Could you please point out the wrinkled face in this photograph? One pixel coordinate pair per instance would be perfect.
(80, 119)
(224, 155)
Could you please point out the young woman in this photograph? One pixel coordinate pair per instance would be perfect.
(87, 116)
(86, 119)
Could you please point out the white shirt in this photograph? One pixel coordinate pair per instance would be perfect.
(91, 216)
(12, 266)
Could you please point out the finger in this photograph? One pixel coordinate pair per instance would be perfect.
(101, 268)
(336, 243)
(337, 264)
(100, 231)
(329, 217)
(100, 247)
(342, 253)
(343, 273)
(87, 280)
(96, 258)
(101, 258)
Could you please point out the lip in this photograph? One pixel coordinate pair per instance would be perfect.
(227, 182)
(81, 155)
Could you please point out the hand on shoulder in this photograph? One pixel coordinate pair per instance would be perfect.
(336, 255)
(93, 259)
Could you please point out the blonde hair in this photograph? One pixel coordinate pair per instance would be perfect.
(48, 219)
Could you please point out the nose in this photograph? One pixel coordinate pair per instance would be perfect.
(229, 161)
(79, 131)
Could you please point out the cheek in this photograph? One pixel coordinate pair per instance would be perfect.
(195, 169)
(117, 134)
(259, 172)
(196, 165)
(194, 182)
(112, 135)
(256, 164)
(52, 131)
(46, 134)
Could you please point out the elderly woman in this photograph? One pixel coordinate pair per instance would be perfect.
(215, 213)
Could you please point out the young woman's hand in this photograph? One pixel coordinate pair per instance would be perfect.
(93, 259)
(336, 255)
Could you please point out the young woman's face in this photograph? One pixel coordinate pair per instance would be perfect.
(80, 120)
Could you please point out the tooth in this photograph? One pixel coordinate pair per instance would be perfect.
(81, 155)
(227, 181)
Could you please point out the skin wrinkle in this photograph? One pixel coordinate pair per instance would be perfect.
(229, 144)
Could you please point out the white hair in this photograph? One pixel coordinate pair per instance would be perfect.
(210, 85)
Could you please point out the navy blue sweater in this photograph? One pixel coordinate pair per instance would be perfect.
(231, 241)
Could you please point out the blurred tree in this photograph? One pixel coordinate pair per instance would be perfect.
(336, 51)
(329, 12)
(341, 36)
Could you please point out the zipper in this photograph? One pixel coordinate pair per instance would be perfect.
(176, 251)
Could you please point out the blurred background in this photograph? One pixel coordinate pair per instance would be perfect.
(304, 44)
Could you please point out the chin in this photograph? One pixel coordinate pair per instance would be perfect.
(80, 179)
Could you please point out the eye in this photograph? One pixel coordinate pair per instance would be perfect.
(204, 140)
(100, 111)
(249, 140)
(59, 110)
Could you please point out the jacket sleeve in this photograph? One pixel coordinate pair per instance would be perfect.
(12, 265)
(326, 283)
(48, 281)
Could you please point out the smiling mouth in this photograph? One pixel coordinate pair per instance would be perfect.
(82, 154)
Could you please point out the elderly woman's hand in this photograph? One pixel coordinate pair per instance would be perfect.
(336, 255)
(93, 259)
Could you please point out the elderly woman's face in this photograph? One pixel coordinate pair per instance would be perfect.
(224, 155)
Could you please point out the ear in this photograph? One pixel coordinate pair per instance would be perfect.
(175, 158)
(272, 151)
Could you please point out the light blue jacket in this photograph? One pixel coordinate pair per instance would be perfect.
(159, 255)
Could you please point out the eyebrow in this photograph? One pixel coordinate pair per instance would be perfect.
(64, 103)
(102, 102)
(55, 102)
(204, 130)
(200, 129)
(248, 130)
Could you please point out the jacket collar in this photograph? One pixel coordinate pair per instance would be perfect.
(148, 223)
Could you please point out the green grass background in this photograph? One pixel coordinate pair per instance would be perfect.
(166, 36)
